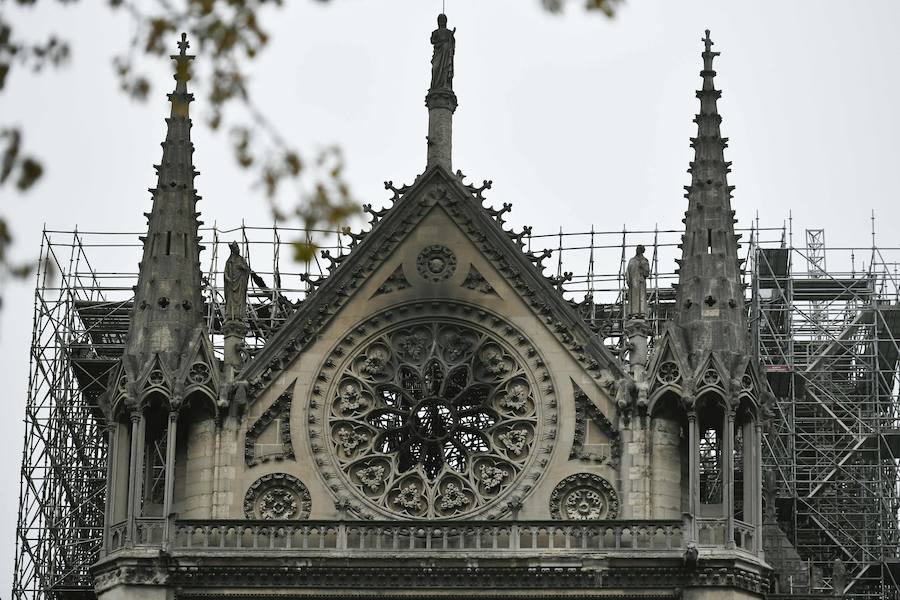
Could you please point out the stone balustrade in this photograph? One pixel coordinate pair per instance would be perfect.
(375, 537)
(399, 537)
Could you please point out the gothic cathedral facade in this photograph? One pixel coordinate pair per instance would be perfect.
(443, 421)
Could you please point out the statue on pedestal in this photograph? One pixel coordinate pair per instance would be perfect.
(237, 276)
(444, 42)
(636, 274)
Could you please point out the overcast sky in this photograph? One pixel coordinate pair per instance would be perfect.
(578, 120)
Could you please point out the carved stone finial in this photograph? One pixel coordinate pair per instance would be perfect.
(184, 44)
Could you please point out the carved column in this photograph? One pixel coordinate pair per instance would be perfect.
(234, 330)
(693, 471)
(637, 332)
(757, 489)
(112, 466)
(441, 106)
(626, 435)
(171, 441)
(728, 478)
(135, 470)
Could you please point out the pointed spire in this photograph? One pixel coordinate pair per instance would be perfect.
(168, 304)
(441, 101)
(710, 289)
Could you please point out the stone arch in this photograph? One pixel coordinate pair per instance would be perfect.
(712, 414)
(155, 455)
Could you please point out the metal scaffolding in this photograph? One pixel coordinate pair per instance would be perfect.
(829, 343)
(82, 302)
(828, 340)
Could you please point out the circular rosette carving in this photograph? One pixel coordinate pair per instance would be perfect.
(432, 419)
(436, 263)
(710, 377)
(668, 372)
(199, 373)
(277, 496)
(746, 383)
(584, 497)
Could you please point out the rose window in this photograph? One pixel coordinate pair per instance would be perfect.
(433, 420)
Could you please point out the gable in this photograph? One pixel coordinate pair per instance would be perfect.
(442, 314)
(500, 250)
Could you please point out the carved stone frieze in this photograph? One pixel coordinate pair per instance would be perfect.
(541, 582)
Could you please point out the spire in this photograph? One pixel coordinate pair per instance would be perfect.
(710, 291)
(168, 305)
(441, 101)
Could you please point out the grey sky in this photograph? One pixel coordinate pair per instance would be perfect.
(578, 120)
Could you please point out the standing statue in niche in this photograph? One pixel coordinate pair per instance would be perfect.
(237, 275)
(636, 275)
(444, 42)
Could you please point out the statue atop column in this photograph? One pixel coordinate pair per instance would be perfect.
(444, 42)
(636, 274)
(237, 275)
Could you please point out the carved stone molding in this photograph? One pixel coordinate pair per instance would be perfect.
(585, 409)
(277, 496)
(535, 582)
(280, 408)
(584, 497)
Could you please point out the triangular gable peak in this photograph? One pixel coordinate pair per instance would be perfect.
(668, 370)
(483, 227)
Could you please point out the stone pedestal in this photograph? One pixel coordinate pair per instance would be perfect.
(441, 106)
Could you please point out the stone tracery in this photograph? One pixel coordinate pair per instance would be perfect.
(433, 419)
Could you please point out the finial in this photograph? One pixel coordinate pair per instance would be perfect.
(708, 54)
(184, 44)
(180, 98)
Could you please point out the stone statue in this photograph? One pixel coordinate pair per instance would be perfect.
(636, 275)
(444, 44)
(237, 275)
(838, 577)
